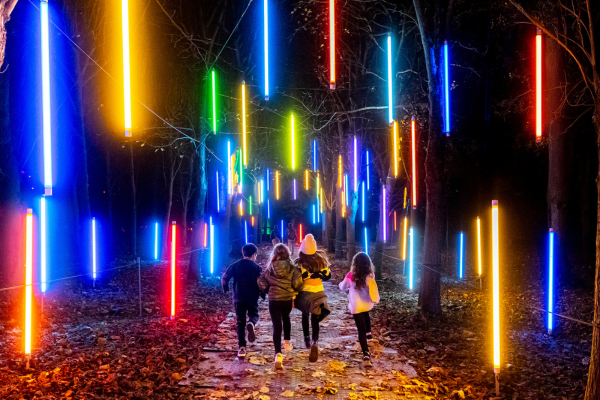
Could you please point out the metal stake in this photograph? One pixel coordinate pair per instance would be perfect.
(497, 379)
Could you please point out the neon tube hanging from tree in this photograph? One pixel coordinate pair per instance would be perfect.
(496, 293)
(212, 246)
(244, 149)
(404, 228)
(389, 65)
(538, 85)
(411, 258)
(293, 145)
(384, 216)
(414, 163)
(266, 38)
(214, 101)
(173, 263)
(446, 91)
(315, 167)
(395, 149)
(355, 155)
(28, 280)
(550, 280)
(331, 44)
(43, 243)
(126, 66)
(368, 173)
(47, 125)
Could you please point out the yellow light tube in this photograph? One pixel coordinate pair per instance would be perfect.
(404, 238)
(496, 289)
(479, 244)
(277, 185)
(340, 170)
(28, 278)
(395, 133)
(306, 177)
(293, 146)
(126, 66)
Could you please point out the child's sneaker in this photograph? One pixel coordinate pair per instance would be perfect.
(369, 337)
(307, 341)
(251, 335)
(367, 359)
(287, 346)
(242, 352)
(314, 352)
(279, 361)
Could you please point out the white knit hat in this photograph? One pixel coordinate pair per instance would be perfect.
(309, 245)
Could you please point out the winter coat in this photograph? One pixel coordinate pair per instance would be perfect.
(280, 281)
(363, 299)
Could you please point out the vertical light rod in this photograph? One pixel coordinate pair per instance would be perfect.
(126, 66)
(331, 44)
(266, 32)
(241, 207)
(306, 179)
(355, 154)
(389, 65)
(241, 182)
(404, 229)
(282, 230)
(156, 240)
(205, 242)
(366, 242)
(395, 223)
(277, 185)
(414, 163)
(293, 145)
(340, 170)
(446, 91)
(384, 216)
(479, 245)
(212, 246)
(28, 279)
(538, 85)
(47, 126)
(460, 255)
(268, 180)
(268, 208)
(368, 173)
(301, 235)
(496, 285)
(173, 255)
(229, 172)
(315, 167)
(314, 214)
(294, 189)
(321, 198)
(43, 243)
(214, 101)
(411, 258)
(346, 189)
(250, 205)
(395, 142)
(244, 149)
(362, 208)
(94, 265)
(246, 232)
(550, 281)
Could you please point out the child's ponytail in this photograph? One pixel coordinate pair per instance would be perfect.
(361, 269)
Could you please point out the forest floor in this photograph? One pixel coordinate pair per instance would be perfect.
(91, 343)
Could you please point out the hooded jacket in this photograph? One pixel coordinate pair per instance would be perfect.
(280, 281)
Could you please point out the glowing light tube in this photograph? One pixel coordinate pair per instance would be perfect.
(262, 191)
(28, 279)
(126, 66)
(244, 149)
(156, 240)
(346, 189)
(268, 180)
(395, 222)
(282, 230)
(301, 235)
(343, 205)
(411, 258)
(229, 172)
(331, 44)
(218, 194)
(246, 232)
(366, 242)
(212, 246)
(496, 285)
(355, 155)
(306, 182)
(446, 92)
(43, 243)
(94, 270)
(550, 280)
(250, 205)
(368, 173)
(318, 184)
(268, 208)
(460, 255)
(173, 255)
(479, 245)
(404, 229)
(47, 126)
(315, 167)
(241, 208)
(340, 171)
(314, 214)
(205, 235)
(277, 185)
(321, 199)
(384, 216)
(266, 34)
(214, 101)
(389, 65)
(252, 220)
(362, 208)
(318, 213)
(294, 189)
(241, 182)
(395, 149)
(538, 85)
(414, 163)
(293, 145)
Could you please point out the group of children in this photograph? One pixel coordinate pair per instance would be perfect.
(299, 284)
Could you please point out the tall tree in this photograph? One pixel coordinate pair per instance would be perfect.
(6, 9)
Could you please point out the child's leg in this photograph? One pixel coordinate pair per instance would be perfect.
(314, 321)
(240, 312)
(367, 318)
(276, 318)
(362, 333)
(253, 312)
(286, 309)
(305, 325)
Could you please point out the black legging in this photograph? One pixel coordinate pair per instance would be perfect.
(314, 321)
(363, 324)
(280, 315)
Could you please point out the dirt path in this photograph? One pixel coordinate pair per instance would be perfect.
(338, 374)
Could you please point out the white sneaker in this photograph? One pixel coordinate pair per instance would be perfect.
(287, 346)
(279, 361)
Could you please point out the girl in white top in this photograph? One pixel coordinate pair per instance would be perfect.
(362, 296)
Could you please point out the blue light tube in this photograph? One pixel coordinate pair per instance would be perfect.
(156, 241)
(366, 242)
(218, 197)
(246, 231)
(460, 256)
(551, 281)
(446, 91)
(389, 64)
(47, 126)
(362, 209)
(266, 32)
(43, 243)
(368, 174)
(94, 248)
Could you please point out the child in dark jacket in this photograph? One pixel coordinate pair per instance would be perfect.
(244, 273)
(280, 280)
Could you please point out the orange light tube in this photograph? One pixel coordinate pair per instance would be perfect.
(343, 205)
(173, 255)
(332, 44)
(205, 234)
(301, 236)
(414, 163)
(395, 223)
(538, 84)
(395, 142)
(306, 183)
(28, 278)
(277, 185)
(252, 219)
(404, 238)
(340, 171)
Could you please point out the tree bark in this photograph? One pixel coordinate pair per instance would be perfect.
(351, 211)
(339, 226)
(196, 263)
(6, 8)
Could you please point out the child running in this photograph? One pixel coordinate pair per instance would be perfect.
(362, 296)
(244, 272)
(311, 299)
(280, 280)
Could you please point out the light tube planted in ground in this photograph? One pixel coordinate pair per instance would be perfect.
(538, 85)
(94, 248)
(332, 44)
(414, 163)
(28, 279)
(294, 189)
(366, 242)
(496, 292)
(460, 255)
(404, 229)
(47, 125)
(395, 149)
(43, 243)
(479, 245)
(411, 258)
(550, 280)
(212, 246)
(173, 262)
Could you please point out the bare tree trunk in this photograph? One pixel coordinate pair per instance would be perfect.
(339, 226)
(351, 211)
(186, 198)
(328, 230)
(133, 203)
(196, 264)
(6, 8)
(170, 185)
